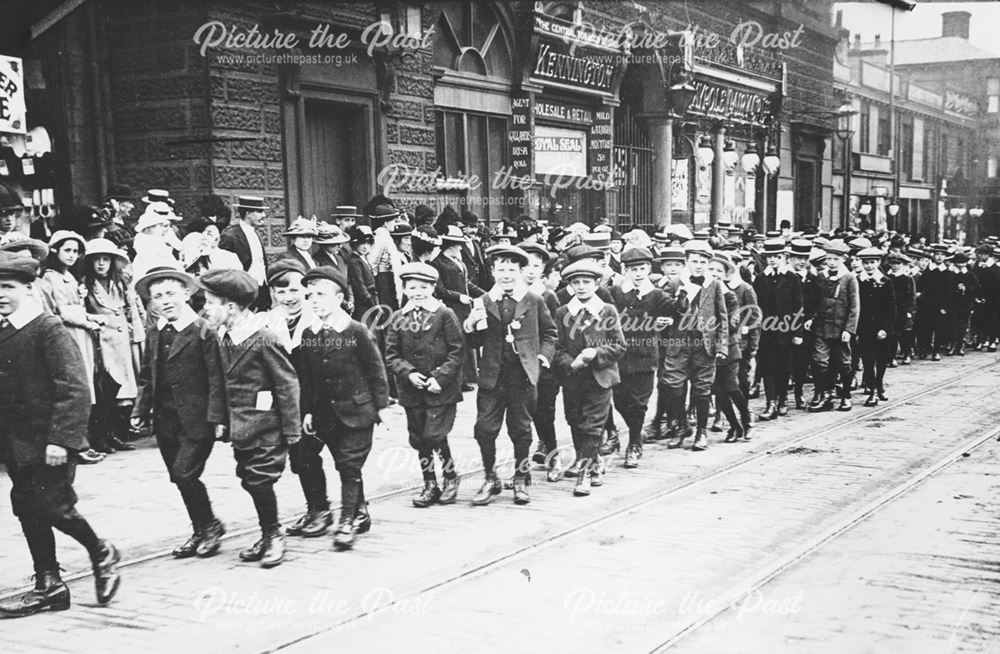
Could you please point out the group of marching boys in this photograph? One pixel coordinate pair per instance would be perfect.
(605, 319)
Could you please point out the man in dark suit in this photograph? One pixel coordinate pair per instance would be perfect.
(344, 393)
(456, 289)
(518, 337)
(472, 252)
(262, 393)
(181, 388)
(241, 238)
(44, 405)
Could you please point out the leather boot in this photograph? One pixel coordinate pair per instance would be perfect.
(782, 408)
(845, 404)
(521, 491)
(318, 524)
(211, 538)
(822, 402)
(717, 423)
(295, 529)
(274, 548)
(254, 552)
(540, 454)
(681, 431)
(449, 491)
(362, 519)
(597, 473)
(880, 394)
(554, 472)
(189, 547)
(49, 594)
(429, 495)
(700, 441)
(582, 488)
(105, 566)
(491, 486)
(754, 391)
(770, 412)
(344, 538)
(573, 470)
(632, 455)
(799, 402)
(872, 399)
(612, 445)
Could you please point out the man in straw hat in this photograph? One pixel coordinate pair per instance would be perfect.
(241, 238)
(43, 423)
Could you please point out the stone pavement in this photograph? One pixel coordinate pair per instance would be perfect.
(223, 605)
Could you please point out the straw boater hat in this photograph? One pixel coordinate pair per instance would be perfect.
(157, 195)
(251, 202)
(345, 211)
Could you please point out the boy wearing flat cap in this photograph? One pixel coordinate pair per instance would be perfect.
(262, 394)
(516, 332)
(181, 391)
(904, 288)
(425, 349)
(44, 404)
(876, 323)
(966, 291)
(344, 393)
(590, 345)
(834, 326)
(644, 310)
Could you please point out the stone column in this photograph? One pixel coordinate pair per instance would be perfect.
(661, 133)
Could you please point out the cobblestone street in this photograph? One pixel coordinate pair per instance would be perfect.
(654, 558)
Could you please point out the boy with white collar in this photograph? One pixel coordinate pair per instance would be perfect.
(587, 353)
(876, 323)
(779, 295)
(904, 289)
(262, 393)
(834, 326)
(966, 290)
(671, 260)
(515, 330)
(544, 414)
(935, 289)
(644, 311)
(344, 393)
(425, 349)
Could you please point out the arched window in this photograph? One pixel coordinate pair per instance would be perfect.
(472, 40)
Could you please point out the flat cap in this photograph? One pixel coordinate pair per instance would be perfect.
(19, 265)
(511, 251)
(234, 285)
(419, 271)
(326, 272)
(837, 247)
(38, 249)
(282, 267)
(636, 255)
(870, 253)
(583, 251)
(696, 246)
(537, 249)
(899, 257)
(159, 273)
(583, 268)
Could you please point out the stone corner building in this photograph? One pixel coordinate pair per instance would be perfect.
(468, 89)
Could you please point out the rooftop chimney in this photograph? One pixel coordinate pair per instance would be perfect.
(878, 41)
(857, 41)
(955, 23)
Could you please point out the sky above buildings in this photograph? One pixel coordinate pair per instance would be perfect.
(870, 18)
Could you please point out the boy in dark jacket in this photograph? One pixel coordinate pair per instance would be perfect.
(875, 323)
(590, 344)
(834, 326)
(904, 289)
(964, 294)
(262, 394)
(182, 390)
(344, 393)
(44, 404)
(425, 348)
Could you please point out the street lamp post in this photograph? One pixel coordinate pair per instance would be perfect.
(845, 131)
(678, 96)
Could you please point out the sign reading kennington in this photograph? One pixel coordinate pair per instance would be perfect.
(563, 68)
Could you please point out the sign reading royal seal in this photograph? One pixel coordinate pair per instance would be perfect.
(560, 151)
(13, 112)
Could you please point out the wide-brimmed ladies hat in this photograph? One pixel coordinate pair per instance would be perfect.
(301, 227)
(152, 216)
(63, 235)
(327, 234)
(453, 235)
(99, 246)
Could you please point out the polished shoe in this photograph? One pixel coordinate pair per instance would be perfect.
(521, 491)
(845, 404)
(700, 441)
(632, 455)
(485, 495)
(468, 387)
(120, 445)
(716, 423)
(612, 445)
(554, 473)
(49, 594)
(430, 494)
(881, 396)
(106, 577)
(295, 529)
(582, 487)
(680, 433)
(872, 399)
(89, 457)
(800, 404)
(362, 519)
(253, 553)
(211, 539)
(189, 547)
(274, 549)
(734, 434)
(892, 363)
(960, 352)
(825, 403)
(906, 361)
(770, 412)
(319, 523)
(935, 357)
(992, 347)
(754, 392)
(782, 408)
(597, 474)
(344, 538)
(540, 454)
(745, 428)
(573, 470)
(449, 491)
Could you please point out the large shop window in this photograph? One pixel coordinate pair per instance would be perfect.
(473, 147)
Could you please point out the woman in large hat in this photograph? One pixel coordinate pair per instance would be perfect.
(109, 295)
(301, 235)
